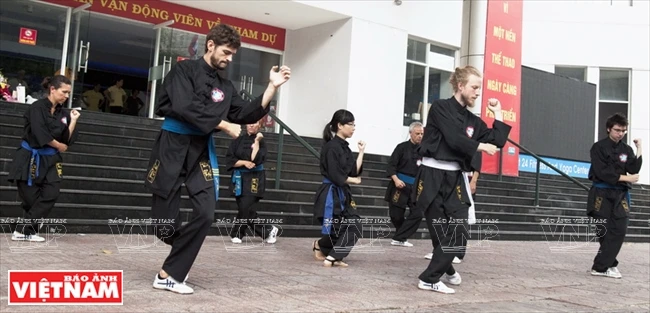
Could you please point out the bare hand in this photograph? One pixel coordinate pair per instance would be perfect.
(259, 137)
(356, 180)
(633, 178)
(74, 115)
(637, 143)
(494, 105)
(361, 145)
(280, 77)
(62, 147)
(399, 184)
(232, 130)
(487, 148)
(249, 165)
(472, 186)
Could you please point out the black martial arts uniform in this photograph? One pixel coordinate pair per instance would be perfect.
(440, 189)
(37, 168)
(334, 206)
(194, 99)
(609, 199)
(404, 164)
(247, 185)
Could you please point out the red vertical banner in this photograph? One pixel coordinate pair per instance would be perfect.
(502, 78)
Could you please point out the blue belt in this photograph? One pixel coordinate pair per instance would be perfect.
(36, 158)
(406, 179)
(329, 206)
(178, 127)
(236, 177)
(604, 185)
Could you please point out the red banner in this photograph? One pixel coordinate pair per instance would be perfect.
(502, 78)
(185, 18)
(27, 36)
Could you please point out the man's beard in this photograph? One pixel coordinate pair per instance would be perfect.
(218, 65)
(469, 102)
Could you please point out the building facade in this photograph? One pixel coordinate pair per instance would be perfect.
(382, 60)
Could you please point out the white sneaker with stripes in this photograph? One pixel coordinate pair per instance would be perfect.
(172, 285)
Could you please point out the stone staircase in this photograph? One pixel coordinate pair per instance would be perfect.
(105, 169)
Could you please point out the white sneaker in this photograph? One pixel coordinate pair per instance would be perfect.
(428, 256)
(454, 279)
(16, 236)
(456, 260)
(235, 240)
(273, 235)
(172, 285)
(438, 287)
(401, 243)
(608, 273)
(615, 270)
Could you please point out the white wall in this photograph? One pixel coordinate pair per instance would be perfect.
(319, 57)
(376, 85)
(595, 34)
(435, 20)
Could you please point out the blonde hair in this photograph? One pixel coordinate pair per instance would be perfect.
(461, 76)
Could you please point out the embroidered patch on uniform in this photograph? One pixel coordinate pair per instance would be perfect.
(59, 169)
(625, 207)
(470, 131)
(153, 172)
(459, 193)
(622, 157)
(420, 187)
(64, 120)
(206, 170)
(353, 204)
(217, 95)
(598, 203)
(254, 185)
(396, 196)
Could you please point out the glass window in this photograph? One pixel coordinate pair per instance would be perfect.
(29, 58)
(414, 92)
(441, 50)
(416, 51)
(571, 72)
(614, 85)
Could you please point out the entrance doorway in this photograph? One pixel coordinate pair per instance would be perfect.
(109, 59)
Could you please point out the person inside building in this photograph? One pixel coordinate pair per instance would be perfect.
(245, 158)
(441, 189)
(614, 168)
(93, 98)
(37, 165)
(334, 206)
(116, 97)
(196, 101)
(402, 168)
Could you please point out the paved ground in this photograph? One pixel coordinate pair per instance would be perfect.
(498, 276)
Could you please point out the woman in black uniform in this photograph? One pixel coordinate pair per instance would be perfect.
(246, 156)
(334, 206)
(37, 166)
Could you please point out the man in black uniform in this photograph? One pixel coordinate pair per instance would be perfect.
(609, 197)
(402, 167)
(441, 188)
(195, 102)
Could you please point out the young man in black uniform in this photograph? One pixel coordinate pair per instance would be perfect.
(441, 188)
(402, 167)
(195, 102)
(245, 158)
(614, 168)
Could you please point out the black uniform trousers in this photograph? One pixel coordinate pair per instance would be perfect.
(446, 218)
(186, 240)
(611, 235)
(37, 203)
(246, 216)
(396, 214)
(410, 225)
(346, 231)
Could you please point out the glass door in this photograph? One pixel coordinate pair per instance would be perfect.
(78, 53)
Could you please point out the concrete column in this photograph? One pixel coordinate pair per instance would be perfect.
(472, 48)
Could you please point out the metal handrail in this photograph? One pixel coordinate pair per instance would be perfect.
(278, 167)
(537, 172)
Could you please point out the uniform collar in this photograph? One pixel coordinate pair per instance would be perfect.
(212, 72)
(341, 141)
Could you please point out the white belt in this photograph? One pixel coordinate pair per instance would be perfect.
(454, 166)
(441, 165)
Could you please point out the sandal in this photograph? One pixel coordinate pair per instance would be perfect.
(332, 262)
(318, 255)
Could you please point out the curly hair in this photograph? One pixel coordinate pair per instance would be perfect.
(223, 34)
